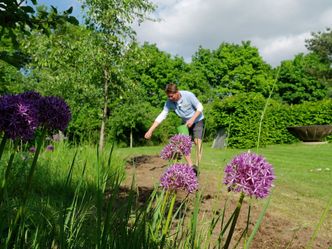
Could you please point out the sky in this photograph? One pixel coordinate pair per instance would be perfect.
(278, 28)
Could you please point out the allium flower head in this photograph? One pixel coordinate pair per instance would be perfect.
(32, 149)
(50, 147)
(3, 105)
(251, 174)
(18, 117)
(54, 113)
(30, 96)
(179, 176)
(179, 144)
(167, 152)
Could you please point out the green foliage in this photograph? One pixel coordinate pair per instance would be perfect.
(240, 116)
(11, 80)
(321, 44)
(233, 69)
(193, 79)
(116, 17)
(312, 113)
(136, 118)
(152, 69)
(20, 18)
(131, 118)
(297, 82)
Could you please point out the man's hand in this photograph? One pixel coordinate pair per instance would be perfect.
(190, 123)
(148, 134)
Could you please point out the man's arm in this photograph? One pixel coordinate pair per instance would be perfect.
(199, 109)
(156, 123)
(148, 134)
(191, 121)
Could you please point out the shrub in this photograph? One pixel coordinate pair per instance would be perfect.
(241, 116)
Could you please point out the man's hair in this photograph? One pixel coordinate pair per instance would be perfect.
(171, 88)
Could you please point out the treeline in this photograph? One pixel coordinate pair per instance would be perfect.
(115, 87)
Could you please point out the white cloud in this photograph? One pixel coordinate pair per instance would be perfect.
(277, 28)
(326, 17)
(277, 49)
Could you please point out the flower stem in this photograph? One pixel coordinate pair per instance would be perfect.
(168, 220)
(34, 162)
(258, 223)
(9, 166)
(264, 110)
(162, 210)
(2, 145)
(169, 216)
(236, 215)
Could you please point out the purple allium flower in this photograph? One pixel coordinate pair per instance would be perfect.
(181, 143)
(2, 110)
(249, 173)
(19, 117)
(50, 147)
(30, 96)
(54, 113)
(167, 152)
(32, 149)
(179, 176)
(178, 145)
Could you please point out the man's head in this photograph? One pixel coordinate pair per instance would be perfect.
(172, 92)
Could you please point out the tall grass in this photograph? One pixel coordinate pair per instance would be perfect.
(76, 199)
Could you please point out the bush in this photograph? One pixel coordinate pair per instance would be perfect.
(312, 113)
(241, 115)
(138, 118)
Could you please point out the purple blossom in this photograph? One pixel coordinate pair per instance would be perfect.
(178, 145)
(32, 149)
(167, 152)
(3, 105)
(19, 117)
(54, 113)
(251, 174)
(179, 176)
(30, 96)
(50, 147)
(181, 143)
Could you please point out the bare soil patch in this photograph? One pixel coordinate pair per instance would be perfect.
(275, 232)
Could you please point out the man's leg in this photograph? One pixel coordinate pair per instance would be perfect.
(188, 159)
(198, 135)
(198, 143)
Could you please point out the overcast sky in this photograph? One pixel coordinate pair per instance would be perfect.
(278, 28)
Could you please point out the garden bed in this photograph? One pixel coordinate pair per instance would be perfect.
(275, 231)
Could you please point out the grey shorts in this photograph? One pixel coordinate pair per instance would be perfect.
(196, 131)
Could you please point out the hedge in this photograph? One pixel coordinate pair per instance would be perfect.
(241, 116)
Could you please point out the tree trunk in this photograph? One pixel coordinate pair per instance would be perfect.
(131, 137)
(104, 116)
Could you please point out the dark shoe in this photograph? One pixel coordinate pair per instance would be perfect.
(195, 168)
